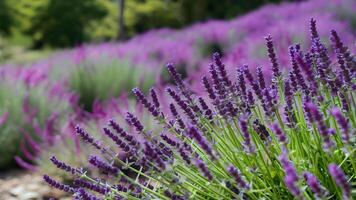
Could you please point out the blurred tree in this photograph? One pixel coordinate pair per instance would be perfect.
(5, 17)
(121, 22)
(142, 15)
(62, 23)
(200, 10)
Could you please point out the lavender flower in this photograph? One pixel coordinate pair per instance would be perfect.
(87, 138)
(179, 81)
(339, 177)
(175, 75)
(117, 140)
(208, 88)
(343, 123)
(81, 194)
(313, 29)
(307, 68)
(141, 98)
(282, 138)
(260, 78)
(267, 102)
(238, 178)
(344, 52)
(314, 185)
(250, 98)
(185, 156)
(102, 165)
(291, 177)
(323, 130)
(255, 86)
(288, 108)
(132, 120)
(64, 166)
(201, 140)
(94, 187)
(207, 112)
(153, 154)
(188, 111)
(244, 129)
(123, 134)
(272, 57)
(58, 185)
(221, 70)
(296, 71)
(241, 84)
(203, 169)
(176, 116)
(154, 98)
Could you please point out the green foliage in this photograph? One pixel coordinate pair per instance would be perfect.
(62, 23)
(200, 10)
(106, 78)
(5, 17)
(12, 99)
(144, 15)
(67, 23)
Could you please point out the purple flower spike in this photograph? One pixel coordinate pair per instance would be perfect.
(282, 138)
(64, 166)
(87, 138)
(344, 52)
(154, 98)
(58, 185)
(102, 165)
(94, 187)
(123, 145)
(291, 176)
(241, 84)
(272, 57)
(267, 102)
(176, 116)
(203, 169)
(179, 81)
(175, 75)
(314, 185)
(339, 177)
(343, 124)
(296, 71)
(221, 70)
(154, 155)
(306, 66)
(123, 134)
(185, 156)
(187, 110)
(201, 140)
(238, 178)
(261, 78)
(132, 120)
(207, 111)
(255, 86)
(322, 128)
(244, 129)
(208, 88)
(81, 194)
(141, 98)
(313, 29)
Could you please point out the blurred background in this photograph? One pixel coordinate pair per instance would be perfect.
(69, 62)
(33, 29)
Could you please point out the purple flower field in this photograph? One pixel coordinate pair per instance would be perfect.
(258, 107)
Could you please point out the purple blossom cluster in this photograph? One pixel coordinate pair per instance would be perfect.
(223, 135)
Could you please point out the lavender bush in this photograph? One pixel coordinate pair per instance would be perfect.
(29, 115)
(93, 81)
(249, 138)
